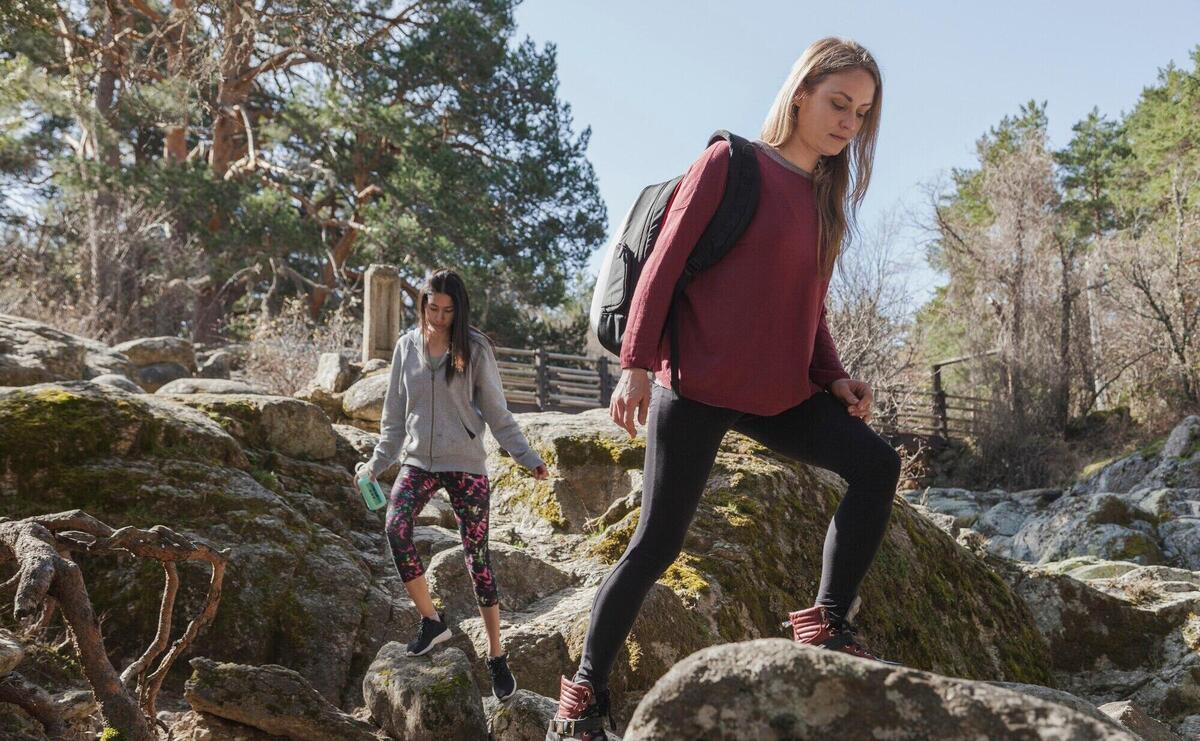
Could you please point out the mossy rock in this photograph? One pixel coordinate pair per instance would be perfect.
(592, 464)
(53, 425)
(293, 427)
(754, 552)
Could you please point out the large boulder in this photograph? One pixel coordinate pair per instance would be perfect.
(270, 698)
(777, 689)
(196, 726)
(523, 717)
(156, 375)
(364, 400)
(309, 584)
(1103, 525)
(117, 381)
(1142, 725)
(12, 652)
(524, 579)
(424, 698)
(290, 426)
(209, 386)
(146, 351)
(1119, 633)
(32, 352)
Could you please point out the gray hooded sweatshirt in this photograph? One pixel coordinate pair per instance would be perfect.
(438, 426)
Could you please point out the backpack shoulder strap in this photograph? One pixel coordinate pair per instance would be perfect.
(733, 215)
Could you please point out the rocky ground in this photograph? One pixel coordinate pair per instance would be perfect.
(1047, 614)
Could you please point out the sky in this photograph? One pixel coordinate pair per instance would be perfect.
(654, 78)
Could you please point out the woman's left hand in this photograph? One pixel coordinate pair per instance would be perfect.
(541, 473)
(856, 395)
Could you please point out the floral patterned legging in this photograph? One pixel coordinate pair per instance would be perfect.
(469, 497)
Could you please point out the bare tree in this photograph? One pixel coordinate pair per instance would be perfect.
(48, 580)
(1157, 270)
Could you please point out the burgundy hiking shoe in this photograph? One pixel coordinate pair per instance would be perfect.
(580, 713)
(818, 626)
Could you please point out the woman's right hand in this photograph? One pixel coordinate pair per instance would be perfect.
(360, 470)
(630, 397)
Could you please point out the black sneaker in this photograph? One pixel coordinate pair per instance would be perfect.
(432, 633)
(504, 684)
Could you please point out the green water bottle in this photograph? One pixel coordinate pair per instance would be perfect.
(372, 493)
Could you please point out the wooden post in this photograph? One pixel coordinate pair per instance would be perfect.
(381, 313)
(606, 381)
(543, 378)
(939, 404)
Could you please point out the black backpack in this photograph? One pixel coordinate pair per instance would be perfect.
(635, 241)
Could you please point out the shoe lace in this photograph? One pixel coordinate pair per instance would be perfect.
(428, 629)
(498, 668)
(844, 627)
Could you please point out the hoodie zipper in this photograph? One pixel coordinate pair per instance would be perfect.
(432, 407)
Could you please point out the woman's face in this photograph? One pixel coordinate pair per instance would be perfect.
(439, 312)
(829, 118)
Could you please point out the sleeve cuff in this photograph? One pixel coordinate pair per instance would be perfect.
(531, 459)
(825, 379)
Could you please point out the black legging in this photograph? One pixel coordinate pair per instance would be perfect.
(682, 440)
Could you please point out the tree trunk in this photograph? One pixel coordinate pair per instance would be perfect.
(175, 140)
(229, 140)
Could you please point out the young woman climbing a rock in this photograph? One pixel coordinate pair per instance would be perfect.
(443, 388)
(756, 356)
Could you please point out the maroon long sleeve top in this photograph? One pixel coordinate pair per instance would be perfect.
(752, 330)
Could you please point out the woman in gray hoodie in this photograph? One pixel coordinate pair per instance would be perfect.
(444, 387)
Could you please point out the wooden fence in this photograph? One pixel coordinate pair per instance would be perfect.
(549, 380)
(537, 379)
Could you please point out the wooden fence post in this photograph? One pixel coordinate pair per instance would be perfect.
(381, 312)
(606, 381)
(939, 404)
(543, 378)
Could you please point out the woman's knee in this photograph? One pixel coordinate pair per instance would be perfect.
(877, 469)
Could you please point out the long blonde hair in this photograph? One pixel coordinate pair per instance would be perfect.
(833, 176)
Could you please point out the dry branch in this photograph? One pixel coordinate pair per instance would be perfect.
(42, 547)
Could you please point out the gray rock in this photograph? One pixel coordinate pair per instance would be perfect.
(32, 352)
(1103, 525)
(330, 403)
(961, 504)
(270, 698)
(521, 579)
(1061, 698)
(155, 376)
(424, 698)
(523, 717)
(430, 540)
(290, 426)
(217, 365)
(373, 367)
(1184, 440)
(1088, 627)
(1136, 720)
(12, 652)
(194, 726)
(1118, 477)
(355, 446)
(437, 512)
(777, 689)
(76, 705)
(154, 350)
(209, 386)
(364, 400)
(333, 373)
(1088, 568)
(120, 382)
